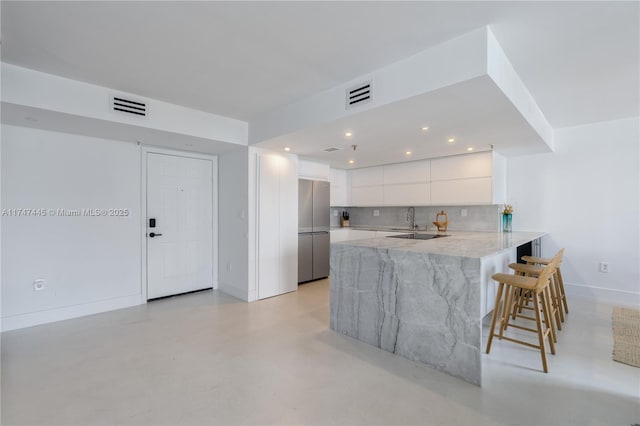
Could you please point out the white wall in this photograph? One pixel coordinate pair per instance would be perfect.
(34, 89)
(233, 250)
(90, 264)
(586, 196)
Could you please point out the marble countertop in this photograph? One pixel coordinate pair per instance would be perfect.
(458, 243)
(376, 228)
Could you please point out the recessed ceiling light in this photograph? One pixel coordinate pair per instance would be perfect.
(351, 161)
(407, 153)
(470, 148)
(451, 140)
(286, 148)
(424, 128)
(348, 134)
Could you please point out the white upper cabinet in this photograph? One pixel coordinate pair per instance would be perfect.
(468, 179)
(462, 166)
(406, 194)
(363, 196)
(464, 179)
(406, 183)
(366, 186)
(339, 190)
(371, 176)
(462, 191)
(412, 172)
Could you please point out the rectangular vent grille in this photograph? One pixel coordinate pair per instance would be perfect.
(128, 106)
(332, 149)
(359, 94)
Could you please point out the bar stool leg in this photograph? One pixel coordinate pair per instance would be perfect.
(494, 316)
(549, 322)
(506, 310)
(562, 294)
(557, 299)
(543, 353)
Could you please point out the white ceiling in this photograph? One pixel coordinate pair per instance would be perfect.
(580, 60)
(475, 113)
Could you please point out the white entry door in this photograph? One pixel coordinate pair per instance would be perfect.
(180, 245)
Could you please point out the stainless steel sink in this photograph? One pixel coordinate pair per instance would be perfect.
(418, 236)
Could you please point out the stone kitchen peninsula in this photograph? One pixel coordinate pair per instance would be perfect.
(422, 299)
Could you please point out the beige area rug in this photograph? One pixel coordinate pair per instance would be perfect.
(626, 336)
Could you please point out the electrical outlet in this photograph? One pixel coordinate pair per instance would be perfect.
(604, 267)
(376, 213)
(463, 212)
(38, 284)
(335, 213)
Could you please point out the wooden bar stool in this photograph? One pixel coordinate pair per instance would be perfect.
(553, 290)
(523, 298)
(509, 287)
(559, 283)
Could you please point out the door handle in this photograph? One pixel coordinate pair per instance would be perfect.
(153, 234)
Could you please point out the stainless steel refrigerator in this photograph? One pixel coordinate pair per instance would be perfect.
(313, 230)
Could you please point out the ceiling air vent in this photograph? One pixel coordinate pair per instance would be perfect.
(332, 149)
(123, 105)
(359, 94)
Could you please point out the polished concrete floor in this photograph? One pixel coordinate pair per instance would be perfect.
(210, 359)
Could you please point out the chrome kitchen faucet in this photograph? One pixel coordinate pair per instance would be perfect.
(411, 217)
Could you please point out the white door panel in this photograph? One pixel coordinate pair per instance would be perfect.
(269, 226)
(277, 225)
(180, 198)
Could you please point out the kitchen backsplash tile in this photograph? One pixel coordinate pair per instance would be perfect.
(478, 218)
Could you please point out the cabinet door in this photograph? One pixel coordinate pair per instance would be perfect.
(410, 172)
(367, 196)
(407, 194)
(338, 189)
(288, 223)
(461, 167)
(461, 191)
(366, 177)
(277, 225)
(268, 226)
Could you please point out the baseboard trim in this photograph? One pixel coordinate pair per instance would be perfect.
(601, 294)
(31, 319)
(233, 291)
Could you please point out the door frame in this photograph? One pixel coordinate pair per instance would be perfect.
(149, 149)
